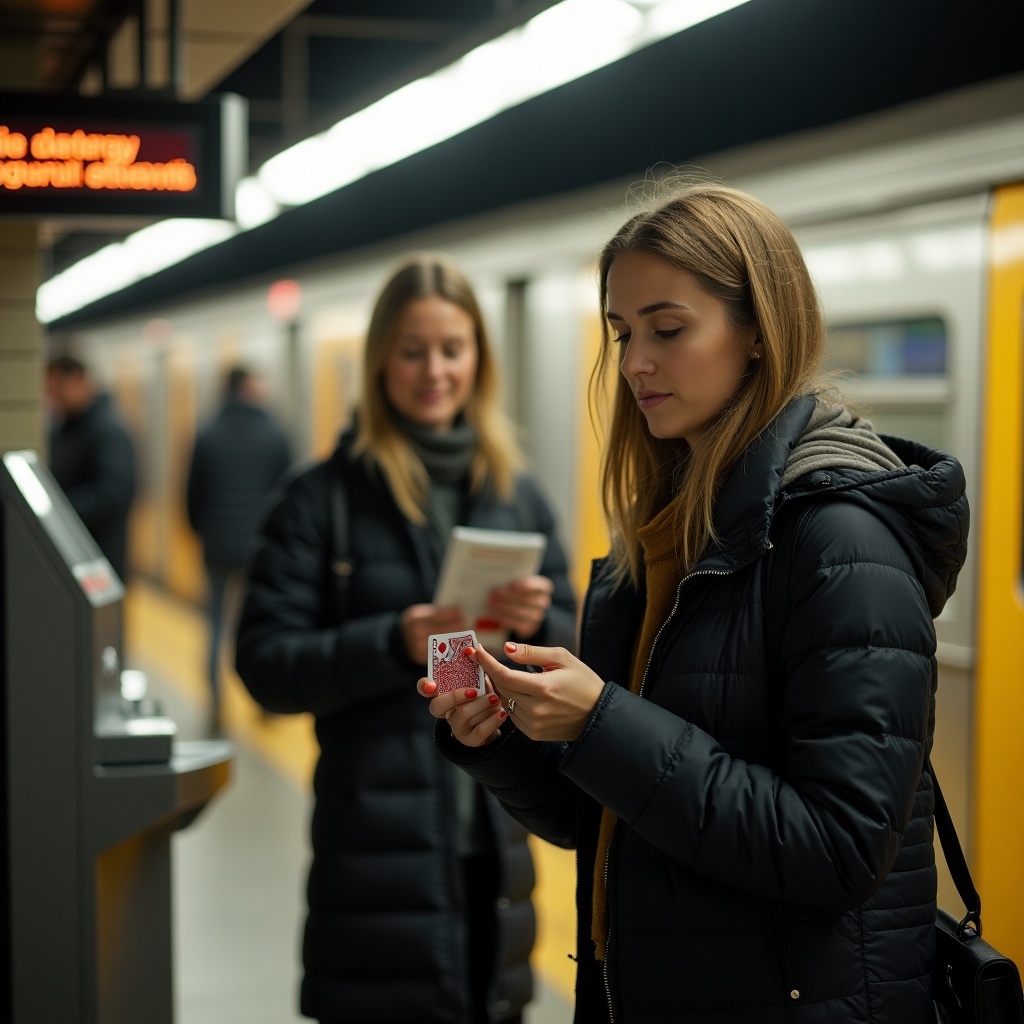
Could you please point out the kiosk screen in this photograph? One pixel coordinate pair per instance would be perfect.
(71, 539)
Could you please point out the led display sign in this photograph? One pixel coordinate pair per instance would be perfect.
(67, 155)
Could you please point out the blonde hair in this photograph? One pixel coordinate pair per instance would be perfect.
(380, 439)
(742, 253)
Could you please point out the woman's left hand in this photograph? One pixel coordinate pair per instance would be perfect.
(521, 605)
(554, 704)
(474, 715)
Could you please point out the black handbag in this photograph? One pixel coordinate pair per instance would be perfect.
(972, 982)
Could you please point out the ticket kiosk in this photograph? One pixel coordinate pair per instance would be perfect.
(94, 783)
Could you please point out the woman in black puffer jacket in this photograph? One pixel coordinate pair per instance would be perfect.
(419, 891)
(739, 759)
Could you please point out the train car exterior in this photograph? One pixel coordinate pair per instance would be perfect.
(916, 241)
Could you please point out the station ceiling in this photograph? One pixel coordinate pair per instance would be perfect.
(62, 42)
(301, 64)
(766, 70)
(297, 61)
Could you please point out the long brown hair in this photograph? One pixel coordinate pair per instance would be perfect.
(379, 437)
(742, 253)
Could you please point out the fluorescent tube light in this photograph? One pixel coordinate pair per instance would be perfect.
(562, 43)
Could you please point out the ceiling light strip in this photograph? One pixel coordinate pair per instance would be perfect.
(563, 43)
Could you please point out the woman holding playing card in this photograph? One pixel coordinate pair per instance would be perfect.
(419, 890)
(737, 756)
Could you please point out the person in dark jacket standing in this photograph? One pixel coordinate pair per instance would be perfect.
(739, 754)
(92, 456)
(237, 459)
(420, 888)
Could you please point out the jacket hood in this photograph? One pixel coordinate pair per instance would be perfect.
(925, 505)
(923, 502)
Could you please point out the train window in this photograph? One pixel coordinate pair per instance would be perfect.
(893, 348)
(896, 373)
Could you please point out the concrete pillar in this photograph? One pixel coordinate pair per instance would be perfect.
(21, 338)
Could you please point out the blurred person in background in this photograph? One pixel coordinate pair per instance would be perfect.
(739, 755)
(237, 458)
(420, 888)
(92, 455)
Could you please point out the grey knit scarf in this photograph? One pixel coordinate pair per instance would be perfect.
(835, 438)
(447, 456)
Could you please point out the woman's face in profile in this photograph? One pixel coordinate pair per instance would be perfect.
(430, 371)
(681, 354)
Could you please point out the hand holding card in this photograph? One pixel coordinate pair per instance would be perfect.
(447, 665)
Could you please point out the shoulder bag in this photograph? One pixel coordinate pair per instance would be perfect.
(972, 983)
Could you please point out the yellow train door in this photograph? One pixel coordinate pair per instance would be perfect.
(997, 851)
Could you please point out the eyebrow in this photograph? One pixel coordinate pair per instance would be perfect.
(654, 307)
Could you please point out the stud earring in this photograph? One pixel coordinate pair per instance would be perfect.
(756, 355)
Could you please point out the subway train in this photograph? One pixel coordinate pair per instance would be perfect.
(912, 222)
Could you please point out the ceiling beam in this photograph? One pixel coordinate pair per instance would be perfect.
(36, 23)
(89, 43)
(391, 29)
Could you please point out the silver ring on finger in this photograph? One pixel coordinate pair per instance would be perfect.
(512, 706)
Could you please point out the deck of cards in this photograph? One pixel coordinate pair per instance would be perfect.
(448, 666)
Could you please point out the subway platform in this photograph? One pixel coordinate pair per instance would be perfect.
(239, 870)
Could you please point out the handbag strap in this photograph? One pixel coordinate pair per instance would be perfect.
(341, 563)
(955, 859)
(948, 839)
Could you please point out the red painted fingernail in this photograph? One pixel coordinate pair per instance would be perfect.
(503, 714)
(467, 651)
(494, 699)
(510, 647)
(470, 694)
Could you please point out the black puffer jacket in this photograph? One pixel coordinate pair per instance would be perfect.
(92, 457)
(238, 458)
(773, 856)
(385, 937)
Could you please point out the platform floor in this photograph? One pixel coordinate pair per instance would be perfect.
(240, 867)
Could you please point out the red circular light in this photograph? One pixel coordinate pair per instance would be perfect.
(284, 299)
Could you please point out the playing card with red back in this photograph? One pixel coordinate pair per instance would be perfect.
(448, 666)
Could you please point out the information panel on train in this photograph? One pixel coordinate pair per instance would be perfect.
(96, 156)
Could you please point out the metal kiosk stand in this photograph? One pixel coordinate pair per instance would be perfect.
(93, 784)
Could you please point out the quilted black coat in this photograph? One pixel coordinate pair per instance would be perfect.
(237, 459)
(385, 935)
(772, 859)
(92, 457)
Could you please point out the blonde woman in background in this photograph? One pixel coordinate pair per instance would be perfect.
(738, 755)
(419, 891)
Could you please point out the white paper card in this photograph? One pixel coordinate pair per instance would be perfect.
(475, 562)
